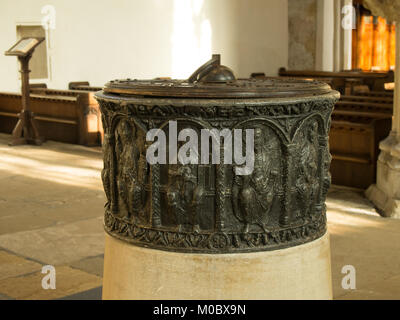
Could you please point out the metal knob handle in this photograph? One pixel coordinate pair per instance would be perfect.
(212, 71)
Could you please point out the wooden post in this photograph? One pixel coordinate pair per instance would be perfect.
(26, 129)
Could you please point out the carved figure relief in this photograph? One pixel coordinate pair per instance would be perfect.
(131, 170)
(106, 171)
(253, 195)
(307, 182)
(184, 197)
(208, 208)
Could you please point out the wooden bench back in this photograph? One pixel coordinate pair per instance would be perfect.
(387, 94)
(368, 99)
(354, 139)
(345, 80)
(342, 74)
(82, 86)
(62, 115)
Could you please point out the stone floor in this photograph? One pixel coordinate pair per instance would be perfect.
(51, 206)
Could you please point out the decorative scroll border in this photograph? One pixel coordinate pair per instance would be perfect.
(217, 242)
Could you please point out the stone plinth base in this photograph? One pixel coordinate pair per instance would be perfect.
(385, 195)
(385, 205)
(301, 272)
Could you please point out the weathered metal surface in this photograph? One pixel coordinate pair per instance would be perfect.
(208, 208)
(215, 81)
(241, 88)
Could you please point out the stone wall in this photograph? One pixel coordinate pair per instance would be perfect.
(388, 9)
(97, 41)
(302, 34)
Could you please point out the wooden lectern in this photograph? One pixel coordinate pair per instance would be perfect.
(26, 130)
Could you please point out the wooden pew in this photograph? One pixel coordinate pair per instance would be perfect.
(62, 115)
(354, 144)
(359, 123)
(367, 99)
(37, 85)
(345, 80)
(333, 82)
(361, 107)
(377, 114)
(92, 119)
(82, 86)
(332, 74)
(76, 84)
(387, 94)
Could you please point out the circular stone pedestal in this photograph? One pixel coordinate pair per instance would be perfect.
(299, 272)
